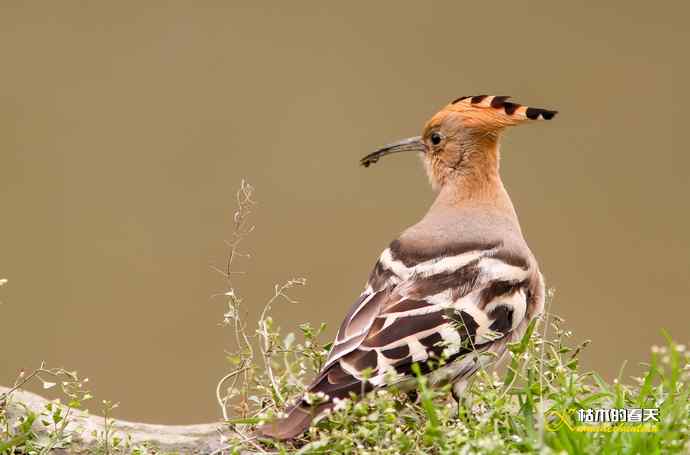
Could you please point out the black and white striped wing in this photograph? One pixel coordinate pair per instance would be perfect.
(417, 309)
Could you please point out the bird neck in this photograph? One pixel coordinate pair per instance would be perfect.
(477, 182)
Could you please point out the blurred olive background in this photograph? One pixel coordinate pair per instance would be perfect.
(126, 128)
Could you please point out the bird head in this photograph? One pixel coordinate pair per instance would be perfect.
(461, 140)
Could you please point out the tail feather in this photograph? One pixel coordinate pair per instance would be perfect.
(297, 421)
(333, 382)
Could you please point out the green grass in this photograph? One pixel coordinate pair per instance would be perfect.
(515, 412)
(511, 413)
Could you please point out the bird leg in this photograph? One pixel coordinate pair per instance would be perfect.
(458, 392)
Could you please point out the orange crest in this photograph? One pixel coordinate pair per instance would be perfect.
(495, 112)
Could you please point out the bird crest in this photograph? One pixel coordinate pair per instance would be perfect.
(494, 112)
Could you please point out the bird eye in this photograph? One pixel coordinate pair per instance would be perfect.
(436, 138)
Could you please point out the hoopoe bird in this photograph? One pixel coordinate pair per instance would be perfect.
(450, 291)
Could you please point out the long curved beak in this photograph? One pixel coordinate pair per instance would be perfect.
(412, 144)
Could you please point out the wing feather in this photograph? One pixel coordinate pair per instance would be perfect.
(417, 308)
